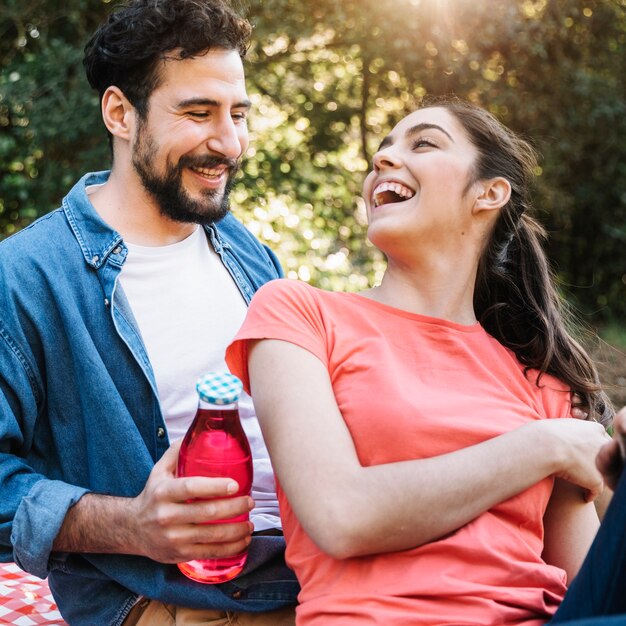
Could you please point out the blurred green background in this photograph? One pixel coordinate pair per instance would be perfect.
(328, 79)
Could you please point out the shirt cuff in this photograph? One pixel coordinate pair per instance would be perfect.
(37, 522)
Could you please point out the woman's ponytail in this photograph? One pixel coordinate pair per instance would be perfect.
(517, 302)
(515, 297)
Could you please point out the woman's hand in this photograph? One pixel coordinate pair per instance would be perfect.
(575, 443)
(417, 501)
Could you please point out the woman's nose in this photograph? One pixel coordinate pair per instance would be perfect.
(385, 159)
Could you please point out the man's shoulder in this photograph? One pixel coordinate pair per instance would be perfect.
(56, 232)
(251, 253)
(43, 235)
(231, 227)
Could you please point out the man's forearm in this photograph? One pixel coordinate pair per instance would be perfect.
(98, 523)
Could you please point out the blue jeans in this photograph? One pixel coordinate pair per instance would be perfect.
(599, 590)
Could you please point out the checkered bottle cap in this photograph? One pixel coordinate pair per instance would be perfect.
(219, 388)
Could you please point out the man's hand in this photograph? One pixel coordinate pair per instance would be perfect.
(166, 522)
(172, 514)
(612, 455)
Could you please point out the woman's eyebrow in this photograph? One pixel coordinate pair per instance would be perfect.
(418, 128)
(414, 130)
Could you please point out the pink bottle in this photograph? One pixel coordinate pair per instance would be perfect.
(216, 445)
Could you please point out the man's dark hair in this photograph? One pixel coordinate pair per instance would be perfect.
(127, 49)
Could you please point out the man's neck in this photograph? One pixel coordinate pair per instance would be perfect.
(128, 208)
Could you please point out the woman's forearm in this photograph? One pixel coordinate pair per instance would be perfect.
(351, 510)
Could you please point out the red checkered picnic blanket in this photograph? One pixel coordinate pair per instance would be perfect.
(25, 600)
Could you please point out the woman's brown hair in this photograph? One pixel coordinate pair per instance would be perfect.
(515, 298)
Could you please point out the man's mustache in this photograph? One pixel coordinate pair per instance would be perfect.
(208, 162)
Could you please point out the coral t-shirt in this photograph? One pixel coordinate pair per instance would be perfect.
(408, 387)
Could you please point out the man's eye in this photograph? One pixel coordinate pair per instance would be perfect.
(198, 114)
(240, 116)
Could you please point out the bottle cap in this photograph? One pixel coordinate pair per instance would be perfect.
(219, 388)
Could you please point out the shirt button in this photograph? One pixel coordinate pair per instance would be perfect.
(160, 432)
(117, 250)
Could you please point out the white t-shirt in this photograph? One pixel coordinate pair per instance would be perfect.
(188, 309)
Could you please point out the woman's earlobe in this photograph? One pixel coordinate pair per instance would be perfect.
(493, 194)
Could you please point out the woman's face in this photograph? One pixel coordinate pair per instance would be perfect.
(418, 189)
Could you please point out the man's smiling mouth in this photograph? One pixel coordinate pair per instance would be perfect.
(209, 172)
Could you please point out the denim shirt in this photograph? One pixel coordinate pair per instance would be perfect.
(79, 412)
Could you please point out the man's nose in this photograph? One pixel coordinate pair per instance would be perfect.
(228, 139)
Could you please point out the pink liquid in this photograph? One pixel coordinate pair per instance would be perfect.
(211, 571)
(216, 445)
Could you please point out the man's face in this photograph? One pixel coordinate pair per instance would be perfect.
(186, 150)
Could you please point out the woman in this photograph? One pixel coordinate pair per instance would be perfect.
(409, 424)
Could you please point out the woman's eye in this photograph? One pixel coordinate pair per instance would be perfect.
(423, 143)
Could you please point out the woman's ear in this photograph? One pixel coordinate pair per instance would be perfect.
(493, 194)
(118, 113)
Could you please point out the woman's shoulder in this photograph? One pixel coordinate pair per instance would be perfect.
(288, 290)
(552, 394)
(549, 394)
(284, 289)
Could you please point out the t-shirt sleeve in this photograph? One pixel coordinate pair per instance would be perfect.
(556, 397)
(282, 309)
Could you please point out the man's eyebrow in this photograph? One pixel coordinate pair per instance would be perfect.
(414, 130)
(209, 102)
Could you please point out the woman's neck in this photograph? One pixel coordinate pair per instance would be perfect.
(442, 289)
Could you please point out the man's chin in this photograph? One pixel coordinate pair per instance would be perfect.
(196, 214)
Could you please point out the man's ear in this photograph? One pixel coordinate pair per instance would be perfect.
(492, 194)
(118, 113)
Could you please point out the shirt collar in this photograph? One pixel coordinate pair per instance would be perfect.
(95, 237)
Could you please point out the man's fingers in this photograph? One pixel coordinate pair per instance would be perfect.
(215, 550)
(203, 511)
(205, 541)
(194, 487)
(619, 430)
(218, 533)
(218, 550)
(610, 462)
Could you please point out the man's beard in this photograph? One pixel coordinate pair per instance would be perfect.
(171, 197)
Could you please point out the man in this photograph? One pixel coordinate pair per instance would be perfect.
(596, 596)
(112, 307)
(612, 456)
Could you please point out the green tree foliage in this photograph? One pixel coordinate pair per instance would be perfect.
(328, 80)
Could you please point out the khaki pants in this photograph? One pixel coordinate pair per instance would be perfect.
(154, 613)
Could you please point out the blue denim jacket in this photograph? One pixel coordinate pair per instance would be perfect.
(79, 412)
